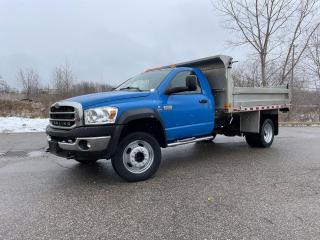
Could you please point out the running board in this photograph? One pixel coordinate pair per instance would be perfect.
(189, 140)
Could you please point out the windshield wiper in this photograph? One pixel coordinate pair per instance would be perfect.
(131, 88)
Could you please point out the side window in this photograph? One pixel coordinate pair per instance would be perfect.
(180, 81)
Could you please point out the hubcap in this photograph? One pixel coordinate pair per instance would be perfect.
(138, 156)
(268, 133)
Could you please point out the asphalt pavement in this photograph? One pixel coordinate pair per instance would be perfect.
(221, 190)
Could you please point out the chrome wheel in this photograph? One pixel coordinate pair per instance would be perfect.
(138, 156)
(267, 132)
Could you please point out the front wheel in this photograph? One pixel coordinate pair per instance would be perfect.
(263, 139)
(138, 157)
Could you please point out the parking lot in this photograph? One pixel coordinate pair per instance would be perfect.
(221, 190)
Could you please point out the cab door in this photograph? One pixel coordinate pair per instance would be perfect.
(186, 114)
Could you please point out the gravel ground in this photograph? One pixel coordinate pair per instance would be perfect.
(223, 190)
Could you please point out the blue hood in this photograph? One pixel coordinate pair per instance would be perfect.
(96, 98)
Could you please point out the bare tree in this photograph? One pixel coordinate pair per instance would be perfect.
(64, 79)
(313, 63)
(313, 66)
(29, 79)
(245, 74)
(4, 87)
(85, 87)
(272, 28)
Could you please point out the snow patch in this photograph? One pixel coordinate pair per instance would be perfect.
(19, 124)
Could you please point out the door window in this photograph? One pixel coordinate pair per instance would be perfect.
(180, 81)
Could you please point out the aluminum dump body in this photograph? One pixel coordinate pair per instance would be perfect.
(237, 99)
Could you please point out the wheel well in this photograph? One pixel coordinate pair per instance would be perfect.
(148, 125)
(273, 116)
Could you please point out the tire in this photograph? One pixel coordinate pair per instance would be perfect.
(264, 139)
(86, 162)
(267, 133)
(253, 140)
(137, 158)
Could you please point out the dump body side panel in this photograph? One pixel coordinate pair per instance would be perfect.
(250, 99)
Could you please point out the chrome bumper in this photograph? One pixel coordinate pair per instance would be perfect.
(92, 144)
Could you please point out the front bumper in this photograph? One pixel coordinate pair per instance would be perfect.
(92, 144)
(80, 143)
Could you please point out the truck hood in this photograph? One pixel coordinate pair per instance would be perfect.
(104, 97)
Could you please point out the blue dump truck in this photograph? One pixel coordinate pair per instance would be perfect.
(163, 107)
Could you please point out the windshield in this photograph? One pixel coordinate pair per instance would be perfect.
(147, 81)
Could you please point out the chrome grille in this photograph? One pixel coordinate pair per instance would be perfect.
(60, 108)
(65, 115)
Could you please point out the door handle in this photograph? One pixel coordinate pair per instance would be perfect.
(203, 101)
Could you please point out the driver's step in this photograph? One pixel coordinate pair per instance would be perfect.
(189, 140)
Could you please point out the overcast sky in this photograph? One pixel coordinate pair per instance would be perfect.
(106, 40)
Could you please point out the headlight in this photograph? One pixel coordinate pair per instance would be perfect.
(100, 115)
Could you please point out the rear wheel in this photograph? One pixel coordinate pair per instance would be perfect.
(252, 140)
(263, 139)
(138, 157)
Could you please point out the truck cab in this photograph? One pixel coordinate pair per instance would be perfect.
(159, 108)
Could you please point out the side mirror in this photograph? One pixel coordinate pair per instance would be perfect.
(191, 82)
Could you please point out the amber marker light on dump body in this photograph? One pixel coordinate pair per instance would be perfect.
(227, 106)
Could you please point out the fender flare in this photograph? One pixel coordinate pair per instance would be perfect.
(127, 117)
(135, 114)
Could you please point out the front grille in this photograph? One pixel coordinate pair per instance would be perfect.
(62, 109)
(62, 116)
(65, 115)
